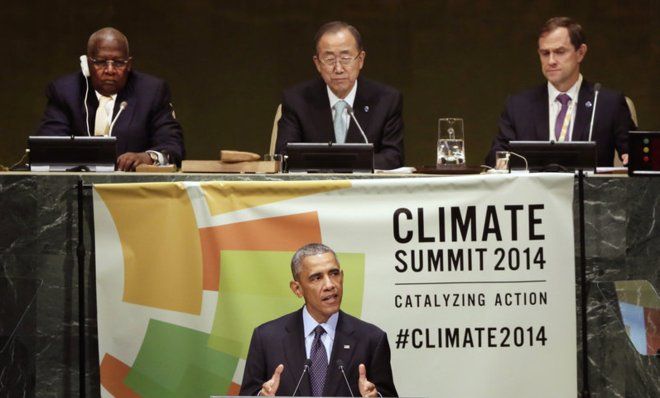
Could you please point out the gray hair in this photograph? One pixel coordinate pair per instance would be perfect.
(310, 249)
(334, 27)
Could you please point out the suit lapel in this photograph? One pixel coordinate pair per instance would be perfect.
(583, 110)
(542, 117)
(92, 105)
(294, 353)
(320, 107)
(342, 349)
(127, 94)
(362, 107)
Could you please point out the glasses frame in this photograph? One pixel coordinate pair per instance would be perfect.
(344, 62)
(100, 64)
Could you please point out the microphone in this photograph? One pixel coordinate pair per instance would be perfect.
(349, 109)
(593, 113)
(340, 366)
(308, 363)
(122, 106)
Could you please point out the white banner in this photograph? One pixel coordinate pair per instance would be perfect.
(471, 277)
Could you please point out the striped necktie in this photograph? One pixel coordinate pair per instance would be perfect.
(319, 367)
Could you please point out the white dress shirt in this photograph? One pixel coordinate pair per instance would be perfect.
(328, 338)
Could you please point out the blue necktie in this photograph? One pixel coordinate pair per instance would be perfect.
(340, 128)
(319, 367)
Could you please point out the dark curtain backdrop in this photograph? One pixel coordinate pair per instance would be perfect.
(227, 61)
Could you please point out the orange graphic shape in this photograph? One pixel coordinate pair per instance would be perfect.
(285, 233)
(113, 373)
(156, 227)
(225, 197)
(234, 389)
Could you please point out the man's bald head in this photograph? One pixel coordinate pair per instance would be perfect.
(108, 60)
(107, 37)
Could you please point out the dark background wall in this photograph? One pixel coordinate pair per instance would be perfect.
(227, 61)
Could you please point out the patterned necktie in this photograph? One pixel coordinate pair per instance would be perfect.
(319, 366)
(563, 99)
(340, 128)
(102, 121)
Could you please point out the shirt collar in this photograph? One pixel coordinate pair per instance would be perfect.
(350, 98)
(572, 92)
(310, 323)
(99, 95)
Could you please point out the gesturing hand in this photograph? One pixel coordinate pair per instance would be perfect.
(367, 388)
(269, 388)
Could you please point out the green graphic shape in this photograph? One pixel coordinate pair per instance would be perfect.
(254, 288)
(175, 361)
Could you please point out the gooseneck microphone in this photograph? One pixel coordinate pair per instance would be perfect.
(593, 113)
(349, 109)
(122, 106)
(340, 366)
(308, 363)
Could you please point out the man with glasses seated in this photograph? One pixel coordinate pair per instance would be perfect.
(317, 110)
(109, 98)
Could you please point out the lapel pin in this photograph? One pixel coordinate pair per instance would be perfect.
(588, 104)
(346, 346)
(366, 108)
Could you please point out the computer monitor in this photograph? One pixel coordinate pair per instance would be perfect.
(54, 153)
(329, 158)
(644, 153)
(554, 156)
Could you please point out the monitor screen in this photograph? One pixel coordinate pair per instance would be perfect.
(644, 153)
(554, 156)
(72, 153)
(329, 158)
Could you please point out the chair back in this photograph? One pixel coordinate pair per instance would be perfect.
(273, 134)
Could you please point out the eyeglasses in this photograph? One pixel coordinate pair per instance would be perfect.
(106, 63)
(345, 60)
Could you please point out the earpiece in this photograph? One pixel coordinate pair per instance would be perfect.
(84, 67)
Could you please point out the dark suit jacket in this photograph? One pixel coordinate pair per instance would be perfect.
(307, 117)
(281, 341)
(147, 123)
(526, 118)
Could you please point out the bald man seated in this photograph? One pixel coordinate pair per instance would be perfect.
(108, 98)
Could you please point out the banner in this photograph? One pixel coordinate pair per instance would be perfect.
(472, 278)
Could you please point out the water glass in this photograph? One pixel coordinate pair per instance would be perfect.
(451, 146)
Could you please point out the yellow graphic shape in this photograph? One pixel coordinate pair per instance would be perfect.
(225, 197)
(160, 244)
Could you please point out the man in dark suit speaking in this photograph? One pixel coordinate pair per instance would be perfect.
(317, 110)
(561, 109)
(132, 106)
(333, 341)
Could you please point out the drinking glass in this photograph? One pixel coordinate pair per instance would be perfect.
(451, 146)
